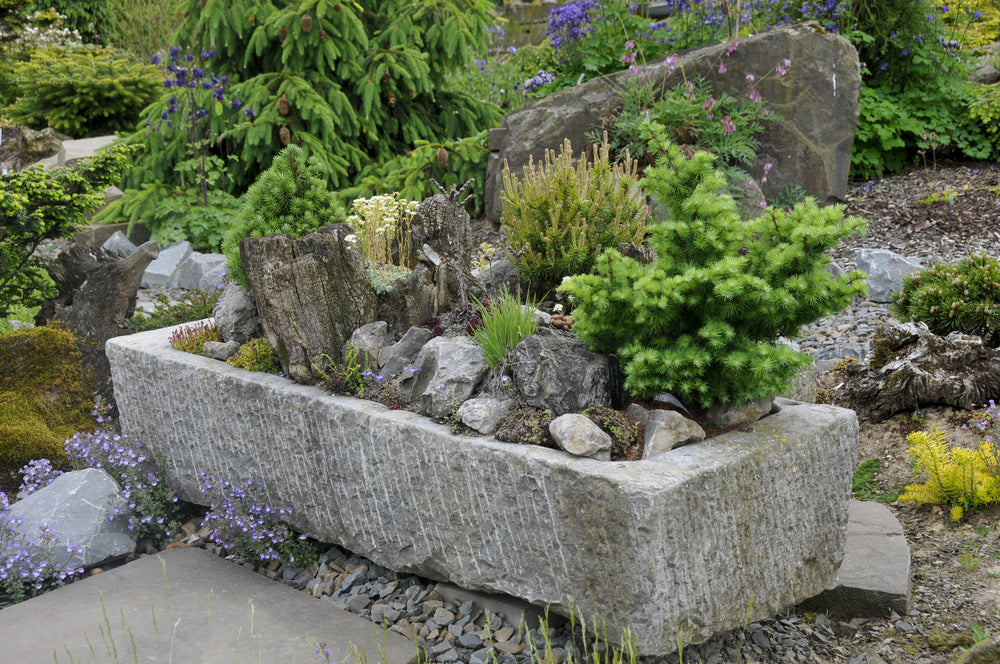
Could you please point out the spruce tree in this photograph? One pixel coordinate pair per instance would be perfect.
(702, 320)
(351, 81)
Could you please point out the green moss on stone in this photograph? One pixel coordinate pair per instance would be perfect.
(44, 398)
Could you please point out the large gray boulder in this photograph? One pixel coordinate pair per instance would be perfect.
(810, 145)
(451, 368)
(160, 270)
(87, 514)
(311, 292)
(676, 548)
(559, 373)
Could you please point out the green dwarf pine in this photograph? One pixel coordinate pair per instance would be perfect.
(702, 320)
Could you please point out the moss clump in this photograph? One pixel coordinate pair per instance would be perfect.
(625, 431)
(526, 425)
(43, 400)
(256, 355)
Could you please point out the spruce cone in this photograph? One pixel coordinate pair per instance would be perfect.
(283, 33)
(322, 34)
(307, 23)
(392, 99)
(411, 93)
(283, 106)
(336, 8)
(386, 77)
(285, 135)
(442, 156)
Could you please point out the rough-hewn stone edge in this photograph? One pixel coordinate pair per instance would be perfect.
(654, 545)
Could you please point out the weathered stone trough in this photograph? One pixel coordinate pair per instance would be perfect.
(677, 547)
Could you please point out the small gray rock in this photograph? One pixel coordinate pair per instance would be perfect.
(885, 270)
(484, 413)
(221, 350)
(577, 434)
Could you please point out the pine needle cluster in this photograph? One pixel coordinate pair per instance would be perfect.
(560, 215)
(949, 297)
(703, 320)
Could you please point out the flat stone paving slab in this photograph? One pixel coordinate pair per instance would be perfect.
(874, 579)
(207, 610)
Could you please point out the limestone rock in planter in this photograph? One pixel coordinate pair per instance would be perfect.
(665, 430)
(451, 369)
(235, 314)
(404, 352)
(885, 270)
(221, 350)
(80, 508)
(918, 368)
(368, 340)
(678, 546)
(810, 145)
(484, 413)
(579, 436)
(559, 373)
(730, 414)
(312, 293)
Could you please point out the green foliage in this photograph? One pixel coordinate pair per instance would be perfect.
(505, 322)
(354, 83)
(985, 109)
(256, 355)
(693, 115)
(974, 23)
(448, 162)
(192, 338)
(560, 216)
(500, 79)
(962, 296)
(83, 90)
(141, 27)
(347, 376)
(962, 478)
(84, 16)
(44, 398)
(197, 305)
(290, 197)
(36, 206)
(702, 320)
(914, 86)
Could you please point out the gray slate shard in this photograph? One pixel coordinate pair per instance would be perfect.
(191, 272)
(451, 368)
(404, 352)
(158, 272)
(235, 314)
(885, 270)
(80, 509)
(118, 244)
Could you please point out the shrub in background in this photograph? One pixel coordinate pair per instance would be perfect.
(141, 27)
(290, 197)
(702, 320)
(559, 216)
(82, 90)
(954, 297)
(86, 17)
(36, 206)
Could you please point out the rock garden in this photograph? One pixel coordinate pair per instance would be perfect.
(626, 353)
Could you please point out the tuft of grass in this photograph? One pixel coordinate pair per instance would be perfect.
(865, 485)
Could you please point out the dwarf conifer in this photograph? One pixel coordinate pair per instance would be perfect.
(703, 320)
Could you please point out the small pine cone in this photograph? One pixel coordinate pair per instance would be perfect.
(203, 3)
(411, 93)
(285, 135)
(322, 34)
(392, 99)
(386, 77)
(307, 23)
(442, 156)
(283, 33)
(283, 106)
(298, 142)
(336, 8)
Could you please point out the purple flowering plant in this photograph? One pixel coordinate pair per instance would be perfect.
(27, 567)
(248, 528)
(154, 511)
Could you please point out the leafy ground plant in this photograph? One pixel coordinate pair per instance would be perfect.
(192, 338)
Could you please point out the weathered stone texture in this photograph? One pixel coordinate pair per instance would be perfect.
(678, 545)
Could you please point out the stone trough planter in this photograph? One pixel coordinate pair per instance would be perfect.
(676, 547)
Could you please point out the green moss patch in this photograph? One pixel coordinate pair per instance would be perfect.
(44, 399)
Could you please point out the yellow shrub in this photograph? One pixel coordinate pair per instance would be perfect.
(962, 478)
